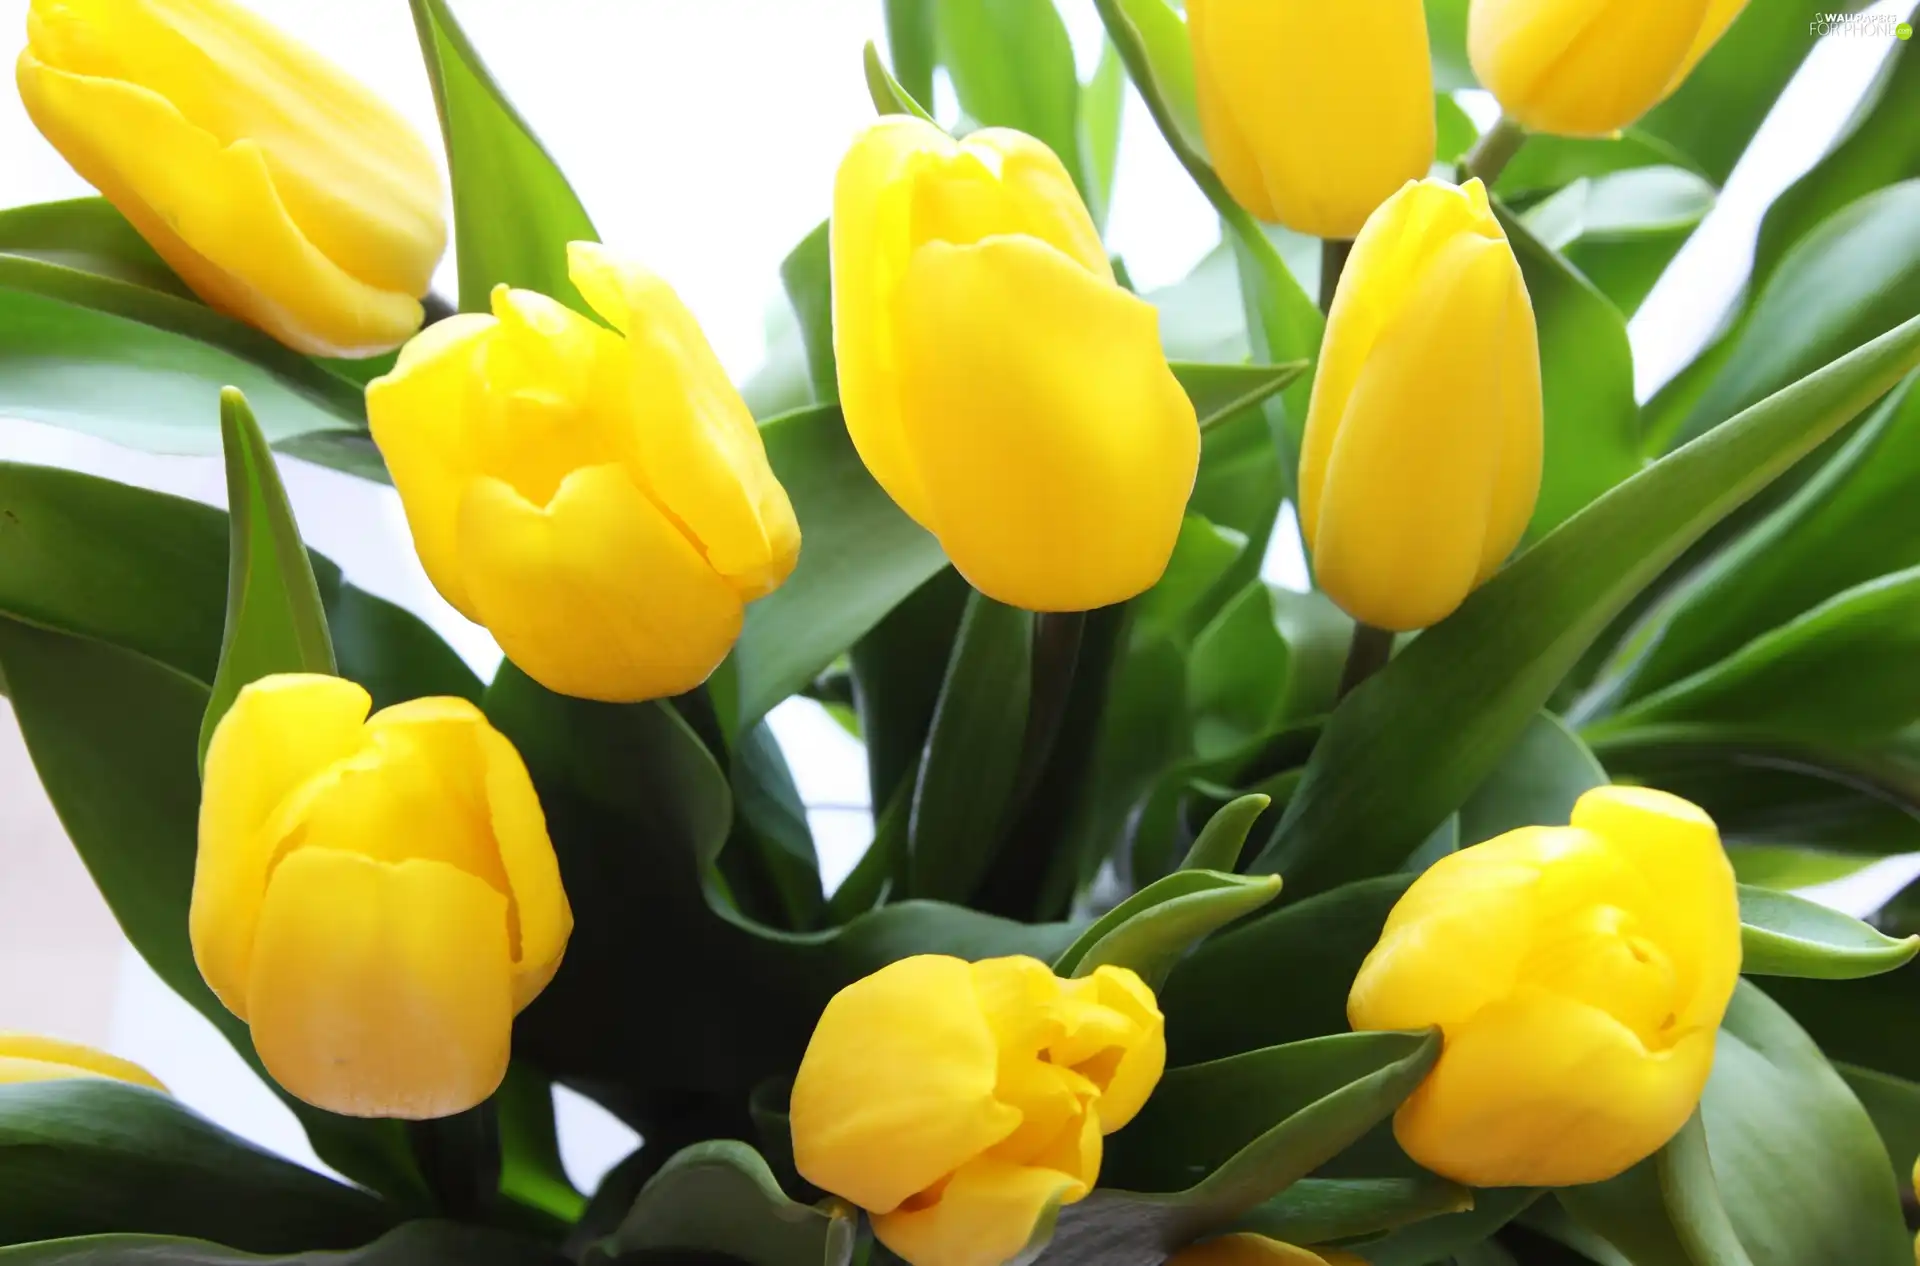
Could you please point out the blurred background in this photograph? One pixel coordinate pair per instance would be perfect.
(702, 136)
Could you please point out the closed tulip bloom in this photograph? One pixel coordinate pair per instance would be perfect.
(375, 896)
(1421, 462)
(1314, 113)
(599, 499)
(282, 191)
(1579, 975)
(996, 381)
(1590, 67)
(1249, 1249)
(956, 1102)
(24, 1058)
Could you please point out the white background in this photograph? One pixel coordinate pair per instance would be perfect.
(702, 135)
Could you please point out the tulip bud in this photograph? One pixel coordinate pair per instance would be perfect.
(25, 1058)
(376, 897)
(1314, 113)
(1249, 1249)
(956, 1102)
(601, 503)
(283, 192)
(1590, 67)
(1579, 975)
(996, 381)
(1421, 461)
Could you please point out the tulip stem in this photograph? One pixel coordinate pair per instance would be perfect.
(1333, 262)
(1490, 156)
(1367, 654)
(1056, 657)
(459, 1157)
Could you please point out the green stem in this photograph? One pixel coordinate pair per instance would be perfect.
(459, 1156)
(1368, 653)
(1334, 252)
(1494, 151)
(1056, 657)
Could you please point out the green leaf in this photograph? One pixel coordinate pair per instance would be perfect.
(1665, 1211)
(415, 1244)
(807, 276)
(1586, 369)
(1325, 1210)
(1270, 656)
(1225, 834)
(1849, 280)
(720, 1197)
(773, 822)
(1893, 1103)
(275, 623)
(90, 1156)
(913, 45)
(1245, 1129)
(1785, 935)
(1436, 720)
(889, 96)
(1840, 529)
(1621, 230)
(1783, 867)
(963, 801)
(1012, 66)
(513, 210)
(897, 671)
(531, 1172)
(1548, 163)
(1454, 130)
(1200, 315)
(859, 559)
(1152, 929)
(89, 235)
(1307, 953)
(1222, 393)
(1536, 785)
(1102, 103)
(1435, 1239)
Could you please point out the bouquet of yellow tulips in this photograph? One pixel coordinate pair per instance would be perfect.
(1441, 914)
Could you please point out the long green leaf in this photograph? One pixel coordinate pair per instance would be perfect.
(1435, 722)
(720, 1197)
(1149, 931)
(1785, 935)
(275, 623)
(513, 210)
(1012, 66)
(89, 1157)
(415, 1244)
(1535, 785)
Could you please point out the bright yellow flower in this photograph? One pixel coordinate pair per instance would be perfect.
(1421, 462)
(601, 503)
(1314, 113)
(24, 1057)
(1579, 974)
(1248, 1249)
(375, 896)
(285, 193)
(998, 384)
(1590, 67)
(955, 1101)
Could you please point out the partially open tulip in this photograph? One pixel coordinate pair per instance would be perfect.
(1000, 386)
(1590, 67)
(956, 1102)
(284, 192)
(1248, 1249)
(1421, 462)
(1579, 975)
(599, 499)
(1314, 113)
(24, 1057)
(375, 896)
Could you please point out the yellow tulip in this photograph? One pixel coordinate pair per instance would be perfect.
(599, 499)
(956, 1102)
(1579, 974)
(1314, 113)
(282, 191)
(1421, 462)
(24, 1058)
(375, 896)
(1000, 386)
(1248, 1249)
(1590, 67)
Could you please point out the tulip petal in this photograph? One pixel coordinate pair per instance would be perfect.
(26, 1057)
(1042, 200)
(597, 594)
(1405, 511)
(1719, 16)
(280, 733)
(1055, 448)
(1248, 1249)
(984, 1217)
(1542, 1091)
(1323, 111)
(212, 212)
(545, 918)
(1117, 1037)
(692, 443)
(897, 1087)
(381, 989)
(1581, 67)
